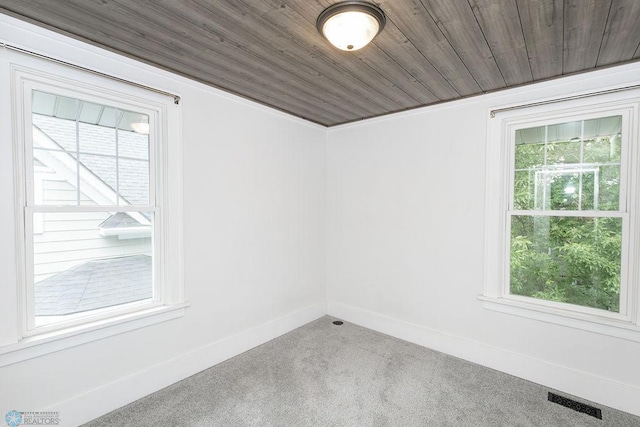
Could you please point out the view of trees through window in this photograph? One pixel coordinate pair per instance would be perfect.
(566, 220)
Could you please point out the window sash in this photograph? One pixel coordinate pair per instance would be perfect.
(625, 310)
(30, 86)
(27, 290)
(510, 137)
(79, 318)
(508, 140)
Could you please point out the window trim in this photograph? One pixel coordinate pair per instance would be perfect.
(28, 85)
(171, 302)
(499, 182)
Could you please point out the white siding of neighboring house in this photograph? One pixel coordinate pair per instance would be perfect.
(61, 243)
(64, 244)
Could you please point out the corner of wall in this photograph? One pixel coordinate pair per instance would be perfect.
(108, 397)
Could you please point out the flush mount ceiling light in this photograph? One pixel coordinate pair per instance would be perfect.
(351, 25)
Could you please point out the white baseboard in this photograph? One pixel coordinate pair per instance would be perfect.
(588, 386)
(104, 399)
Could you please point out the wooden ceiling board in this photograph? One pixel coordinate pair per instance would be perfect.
(397, 45)
(265, 67)
(292, 71)
(582, 42)
(243, 77)
(430, 51)
(460, 27)
(273, 72)
(621, 36)
(415, 22)
(499, 21)
(542, 27)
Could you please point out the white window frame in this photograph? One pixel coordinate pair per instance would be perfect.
(38, 190)
(498, 208)
(165, 178)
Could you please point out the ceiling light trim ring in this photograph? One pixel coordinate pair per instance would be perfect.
(351, 6)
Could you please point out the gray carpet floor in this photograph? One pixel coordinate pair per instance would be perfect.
(327, 375)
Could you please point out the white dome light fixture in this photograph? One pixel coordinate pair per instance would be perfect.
(351, 25)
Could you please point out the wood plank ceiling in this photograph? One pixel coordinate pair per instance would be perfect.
(430, 51)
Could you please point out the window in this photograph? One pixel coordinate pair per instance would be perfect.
(562, 213)
(93, 247)
(94, 201)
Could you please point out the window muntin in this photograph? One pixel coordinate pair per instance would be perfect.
(568, 166)
(567, 217)
(96, 143)
(95, 254)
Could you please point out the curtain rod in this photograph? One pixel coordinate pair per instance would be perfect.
(566, 98)
(176, 98)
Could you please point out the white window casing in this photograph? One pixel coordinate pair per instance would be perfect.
(499, 207)
(165, 202)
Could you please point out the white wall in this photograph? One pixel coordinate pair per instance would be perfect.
(405, 222)
(254, 207)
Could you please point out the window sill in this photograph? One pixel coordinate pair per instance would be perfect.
(600, 325)
(31, 347)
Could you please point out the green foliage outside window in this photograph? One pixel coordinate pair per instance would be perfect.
(569, 259)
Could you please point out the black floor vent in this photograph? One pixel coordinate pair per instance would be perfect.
(576, 406)
(338, 322)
